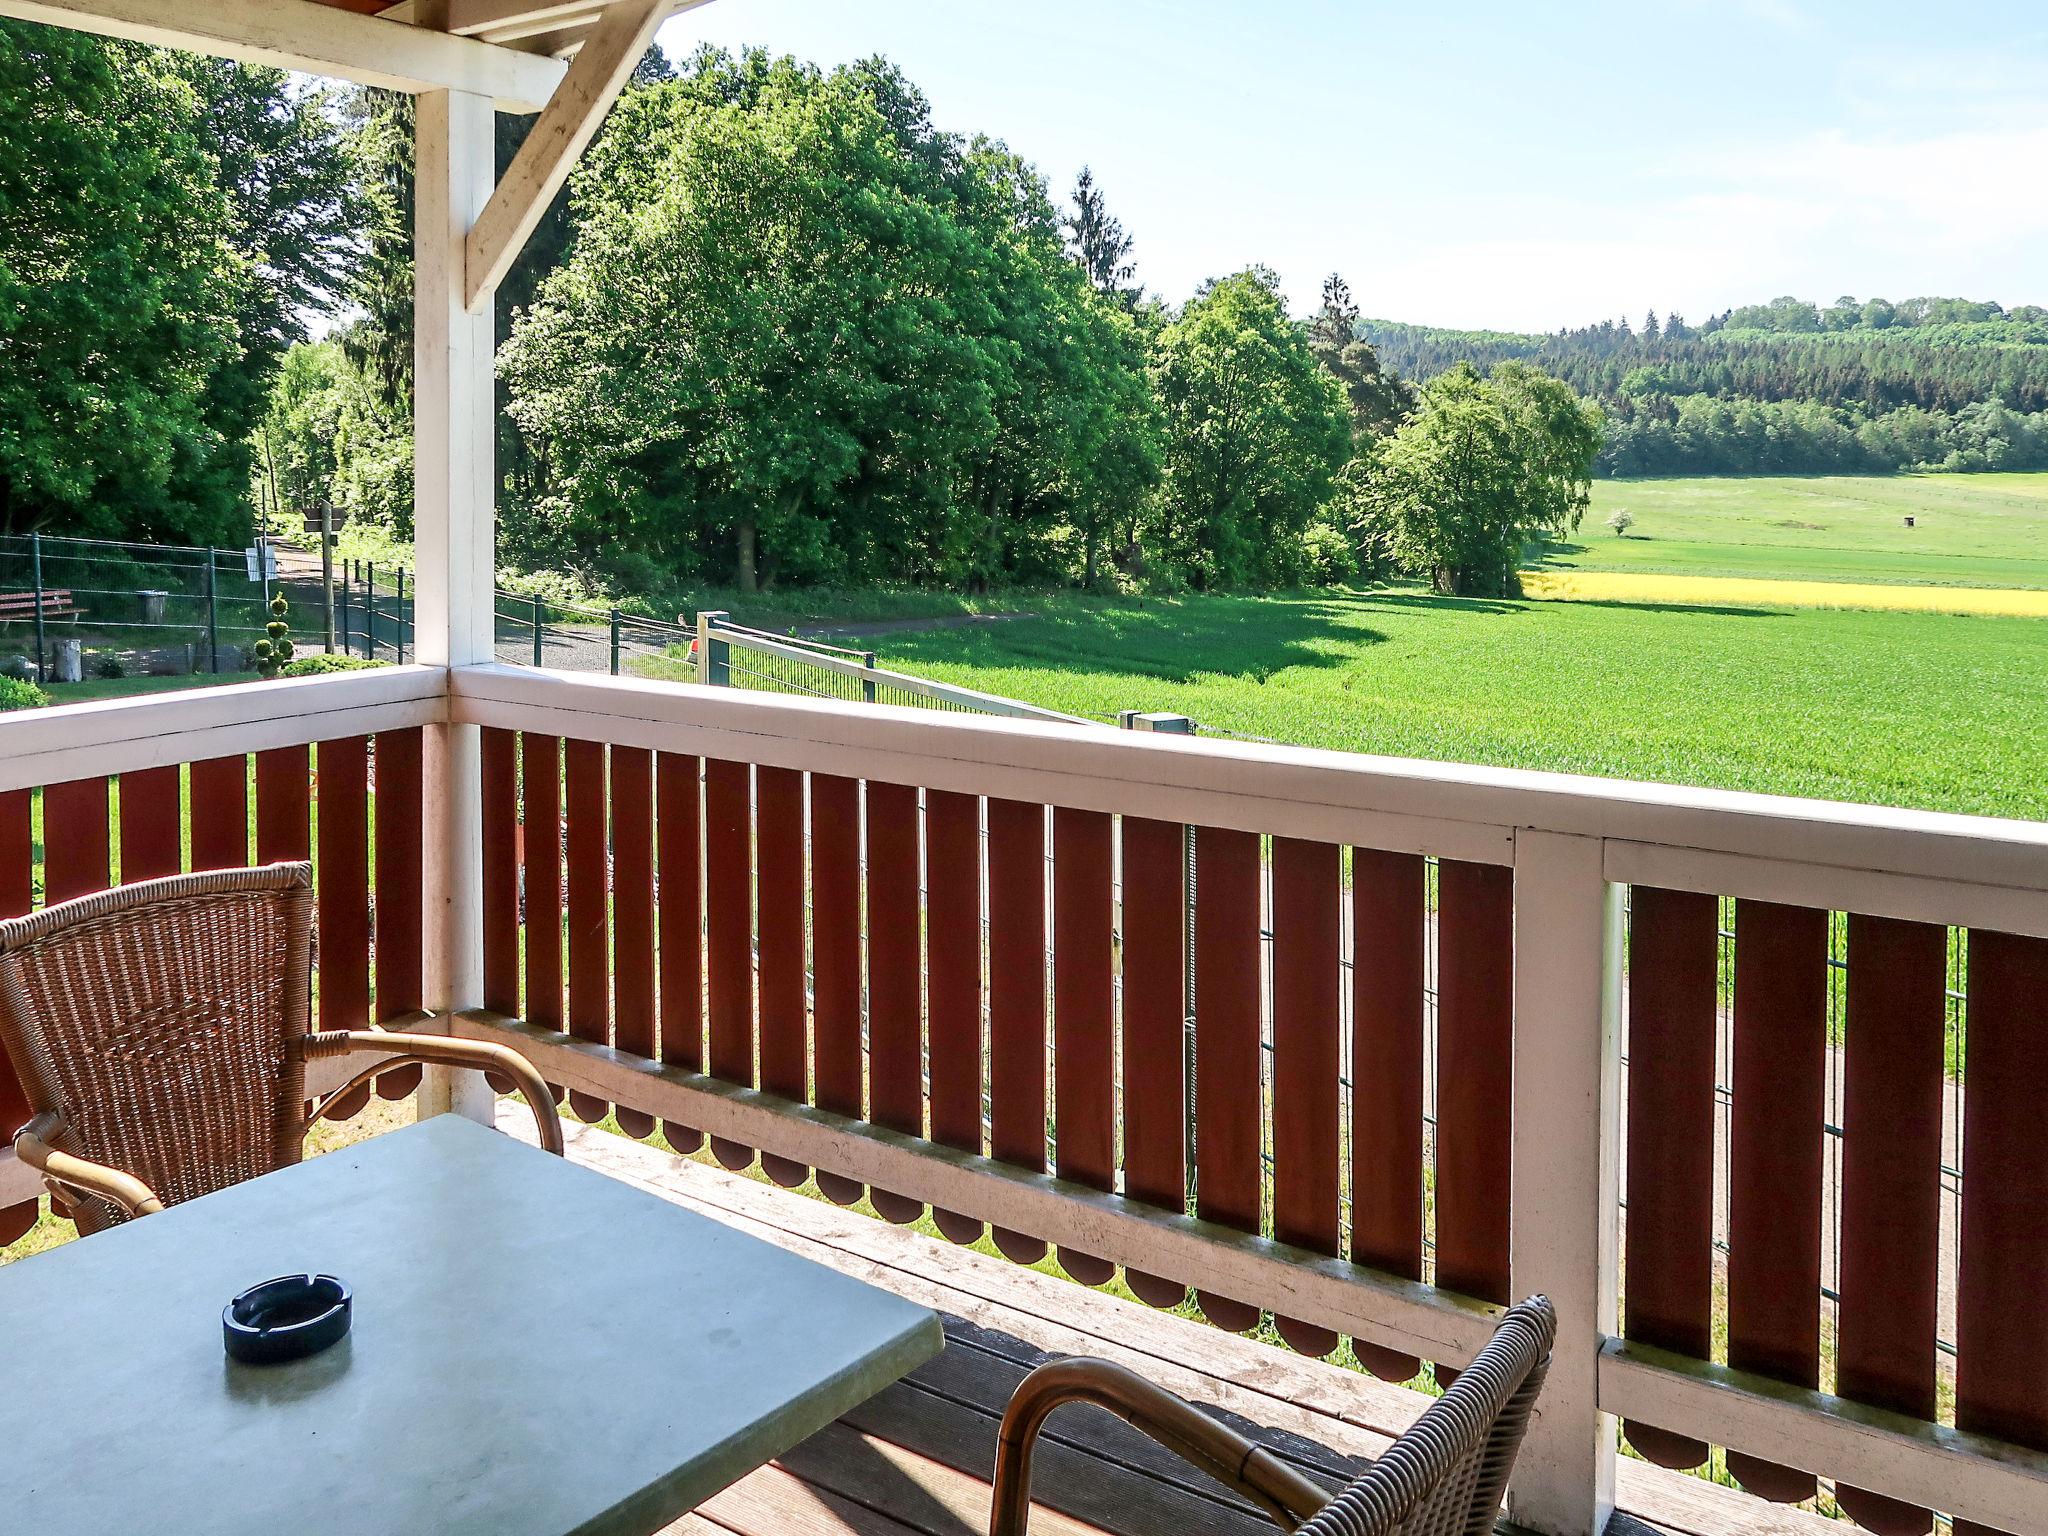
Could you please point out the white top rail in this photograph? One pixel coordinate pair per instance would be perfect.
(1933, 866)
(77, 741)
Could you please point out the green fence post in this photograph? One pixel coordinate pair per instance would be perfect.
(539, 618)
(615, 642)
(370, 611)
(35, 560)
(213, 610)
(714, 657)
(867, 684)
(401, 615)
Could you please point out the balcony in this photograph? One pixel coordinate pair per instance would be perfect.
(1358, 1049)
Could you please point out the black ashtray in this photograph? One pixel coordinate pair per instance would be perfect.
(288, 1318)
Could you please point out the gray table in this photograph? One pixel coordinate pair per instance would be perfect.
(537, 1350)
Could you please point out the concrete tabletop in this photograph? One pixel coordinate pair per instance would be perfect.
(537, 1350)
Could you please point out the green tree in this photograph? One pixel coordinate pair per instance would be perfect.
(1482, 467)
(1256, 432)
(1377, 396)
(1100, 244)
(119, 291)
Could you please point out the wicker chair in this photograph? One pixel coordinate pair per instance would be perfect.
(1444, 1477)
(160, 1030)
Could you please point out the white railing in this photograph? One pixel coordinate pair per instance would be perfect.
(1573, 843)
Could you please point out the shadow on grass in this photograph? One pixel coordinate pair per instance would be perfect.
(1171, 640)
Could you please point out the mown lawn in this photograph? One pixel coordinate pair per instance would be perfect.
(1986, 530)
(1927, 710)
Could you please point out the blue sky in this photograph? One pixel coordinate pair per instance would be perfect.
(1503, 164)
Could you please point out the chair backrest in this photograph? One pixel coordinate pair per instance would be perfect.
(1446, 1475)
(159, 1022)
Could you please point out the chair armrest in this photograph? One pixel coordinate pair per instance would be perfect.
(65, 1175)
(1237, 1463)
(403, 1050)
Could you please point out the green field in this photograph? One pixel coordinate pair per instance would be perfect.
(1969, 530)
(1926, 710)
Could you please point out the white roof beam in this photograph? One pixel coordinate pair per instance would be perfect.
(317, 39)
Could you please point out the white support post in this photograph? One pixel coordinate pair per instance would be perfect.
(1563, 1243)
(454, 495)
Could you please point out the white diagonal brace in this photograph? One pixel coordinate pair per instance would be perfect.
(558, 137)
(318, 39)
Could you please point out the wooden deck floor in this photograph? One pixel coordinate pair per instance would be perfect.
(916, 1460)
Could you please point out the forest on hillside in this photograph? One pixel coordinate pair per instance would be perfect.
(1786, 387)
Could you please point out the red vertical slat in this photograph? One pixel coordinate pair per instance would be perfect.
(344, 883)
(75, 842)
(1389, 902)
(729, 933)
(1016, 999)
(1306, 977)
(17, 895)
(500, 755)
(1893, 1075)
(400, 811)
(1227, 1076)
(1155, 1024)
(1776, 1132)
(541, 779)
(150, 822)
(1475, 1045)
(633, 915)
(590, 1008)
(2002, 1277)
(1084, 1013)
(678, 823)
(1673, 949)
(835, 958)
(284, 805)
(952, 840)
(779, 817)
(895, 979)
(220, 813)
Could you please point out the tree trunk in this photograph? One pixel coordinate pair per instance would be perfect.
(749, 580)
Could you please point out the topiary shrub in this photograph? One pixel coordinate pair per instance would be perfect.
(274, 654)
(18, 693)
(320, 666)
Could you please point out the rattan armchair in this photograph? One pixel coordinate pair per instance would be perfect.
(161, 1032)
(1444, 1477)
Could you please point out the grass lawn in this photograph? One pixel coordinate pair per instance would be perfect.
(1986, 530)
(122, 687)
(1928, 710)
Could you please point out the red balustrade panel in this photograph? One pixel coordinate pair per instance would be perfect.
(1154, 914)
(1084, 1013)
(1893, 1077)
(1307, 975)
(729, 932)
(1227, 1075)
(590, 1011)
(1475, 1057)
(1389, 901)
(895, 977)
(17, 896)
(678, 827)
(284, 805)
(633, 1023)
(76, 846)
(541, 843)
(1776, 1145)
(779, 816)
(150, 824)
(220, 813)
(500, 759)
(1016, 998)
(952, 840)
(2002, 1279)
(399, 762)
(344, 876)
(835, 958)
(1673, 949)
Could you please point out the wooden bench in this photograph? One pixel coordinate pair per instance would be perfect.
(57, 604)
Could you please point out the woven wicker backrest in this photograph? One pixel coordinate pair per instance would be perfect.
(158, 1022)
(1446, 1475)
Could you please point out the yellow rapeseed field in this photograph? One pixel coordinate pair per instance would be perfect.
(1631, 587)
